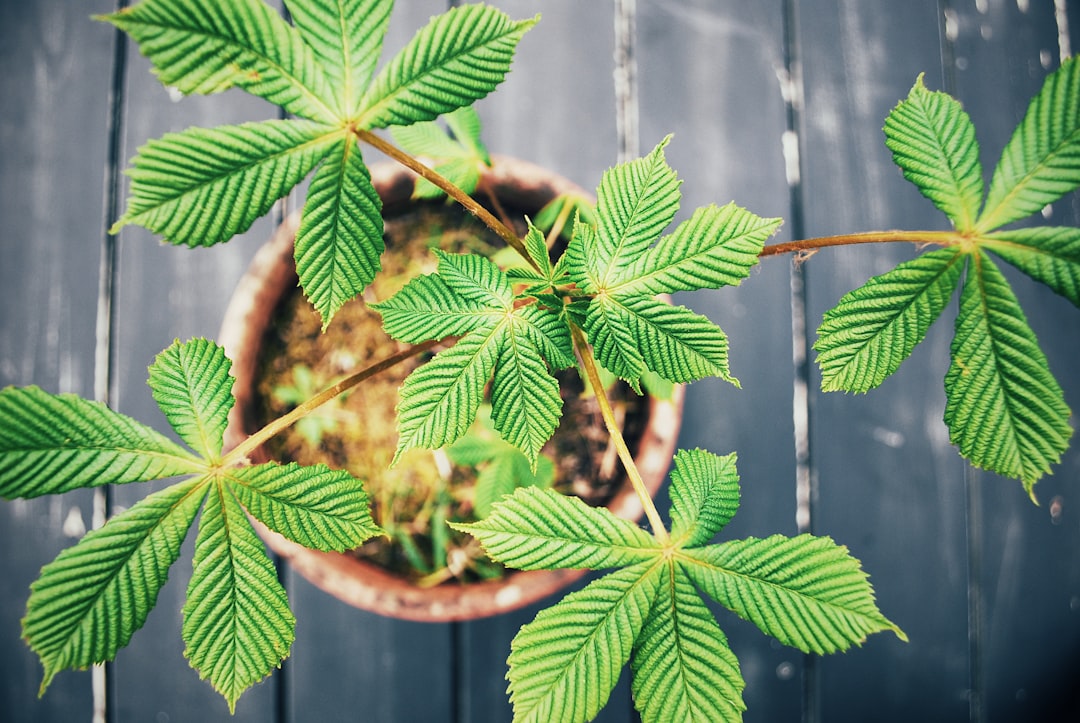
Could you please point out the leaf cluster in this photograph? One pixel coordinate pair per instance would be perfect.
(1005, 411)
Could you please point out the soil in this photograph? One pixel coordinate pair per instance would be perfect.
(357, 431)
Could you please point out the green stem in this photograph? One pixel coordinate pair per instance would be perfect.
(242, 450)
(943, 238)
(467, 202)
(632, 473)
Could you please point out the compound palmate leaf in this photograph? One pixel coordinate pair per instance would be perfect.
(89, 601)
(805, 591)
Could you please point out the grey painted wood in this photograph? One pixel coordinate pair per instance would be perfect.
(712, 74)
(53, 118)
(888, 484)
(1027, 641)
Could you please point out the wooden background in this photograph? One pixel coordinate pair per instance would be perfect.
(777, 104)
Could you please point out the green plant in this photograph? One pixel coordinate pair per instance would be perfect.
(593, 305)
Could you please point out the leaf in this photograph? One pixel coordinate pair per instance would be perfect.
(458, 159)
(549, 332)
(716, 247)
(805, 591)
(426, 308)
(507, 470)
(873, 329)
(536, 529)
(237, 622)
(315, 506)
(635, 201)
(457, 58)
(1004, 409)
(208, 47)
(202, 186)
(346, 36)
(564, 663)
(536, 246)
(464, 123)
(683, 667)
(933, 142)
(191, 384)
(704, 495)
(56, 443)
(91, 599)
(1047, 254)
(341, 232)
(1041, 162)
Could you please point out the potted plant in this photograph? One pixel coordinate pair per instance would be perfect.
(597, 301)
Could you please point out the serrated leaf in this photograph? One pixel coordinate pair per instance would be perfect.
(202, 186)
(1005, 411)
(933, 142)
(315, 506)
(1041, 161)
(191, 384)
(207, 47)
(505, 471)
(237, 622)
(426, 138)
(805, 591)
(704, 495)
(715, 247)
(564, 663)
(462, 172)
(340, 237)
(635, 201)
(475, 278)
(56, 443)
(525, 400)
(91, 599)
(346, 36)
(426, 308)
(536, 529)
(1045, 253)
(457, 58)
(549, 332)
(439, 399)
(536, 246)
(674, 342)
(683, 667)
(873, 329)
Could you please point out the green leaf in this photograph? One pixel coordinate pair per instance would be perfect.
(191, 384)
(56, 443)
(341, 232)
(476, 279)
(202, 186)
(683, 667)
(1046, 253)
(933, 142)
(315, 506)
(536, 246)
(564, 663)
(635, 201)
(549, 332)
(716, 247)
(806, 591)
(208, 47)
(1041, 162)
(1005, 411)
(346, 36)
(464, 123)
(458, 158)
(677, 344)
(457, 58)
(873, 329)
(704, 495)
(426, 308)
(91, 599)
(505, 471)
(536, 529)
(237, 622)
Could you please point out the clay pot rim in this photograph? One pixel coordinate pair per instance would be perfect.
(363, 584)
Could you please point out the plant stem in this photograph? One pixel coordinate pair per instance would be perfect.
(587, 361)
(242, 450)
(943, 238)
(467, 202)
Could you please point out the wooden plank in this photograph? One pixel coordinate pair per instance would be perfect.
(1027, 558)
(347, 664)
(53, 119)
(712, 73)
(889, 486)
(557, 109)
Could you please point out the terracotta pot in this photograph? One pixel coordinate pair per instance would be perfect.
(270, 277)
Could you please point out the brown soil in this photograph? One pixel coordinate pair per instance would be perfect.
(357, 431)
